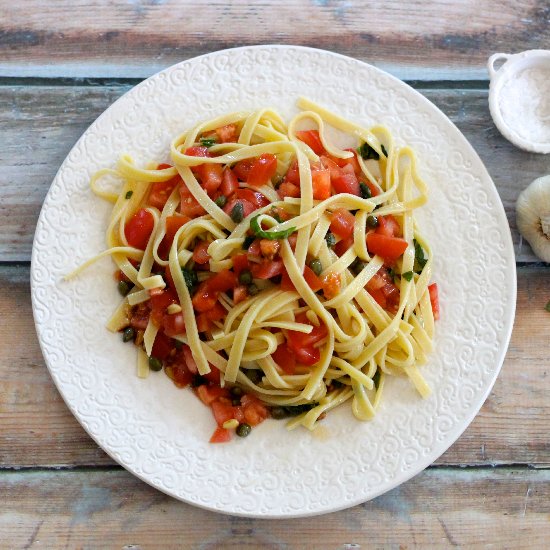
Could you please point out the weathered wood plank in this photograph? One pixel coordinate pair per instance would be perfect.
(39, 126)
(503, 508)
(415, 40)
(37, 429)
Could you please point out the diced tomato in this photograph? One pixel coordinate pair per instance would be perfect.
(208, 394)
(173, 223)
(203, 323)
(308, 356)
(390, 248)
(320, 180)
(140, 317)
(220, 435)
(179, 374)
(164, 166)
(162, 346)
(297, 340)
(342, 223)
(341, 247)
(189, 205)
(173, 324)
(200, 253)
(293, 174)
(331, 285)
(378, 295)
(204, 298)
(352, 161)
(267, 269)
(248, 207)
(120, 276)
(240, 294)
(254, 249)
(160, 191)
(312, 280)
(242, 169)
(346, 181)
(287, 189)
(377, 281)
(227, 133)
(312, 139)
(217, 313)
(254, 197)
(434, 299)
(222, 412)
(139, 228)
(331, 166)
(189, 359)
(255, 411)
(269, 249)
(286, 282)
(222, 281)
(161, 299)
(197, 151)
(262, 170)
(229, 182)
(292, 240)
(214, 377)
(211, 176)
(285, 358)
(240, 263)
(389, 226)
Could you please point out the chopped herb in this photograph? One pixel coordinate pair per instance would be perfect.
(367, 152)
(408, 275)
(237, 212)
(419, 258)
(271, 235)
(331, 239)
(547, 306)
(248, 240)
(277, 180)
(357, 266)
(376, 378)
(391, 273)
(384, 151)
(190, 278)
(221, 200)
(372, 222)
(129, 194)
(364, 191)
(208, 142)
(316, 266)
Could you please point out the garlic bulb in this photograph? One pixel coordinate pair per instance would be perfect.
(533, 216)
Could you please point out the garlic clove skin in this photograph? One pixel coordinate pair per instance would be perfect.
(533, 216)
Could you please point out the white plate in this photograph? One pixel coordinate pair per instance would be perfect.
(161, 433)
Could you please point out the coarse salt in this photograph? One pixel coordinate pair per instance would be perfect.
(525, 104)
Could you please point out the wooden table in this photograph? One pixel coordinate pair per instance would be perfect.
(61, 65)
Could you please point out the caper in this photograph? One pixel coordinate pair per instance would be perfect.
(198, 380)
(124, 287)
(236, 401)
(331, 239)
(278, 413)
(253, 289)
(221, 200)
(316, 266)
(235, 391)
(358, 266)
(237, 212)
(254, 375)
(128, 334)
(243, 430)
(372, 222)
(365, 191)
(245, 277)
(155, 363)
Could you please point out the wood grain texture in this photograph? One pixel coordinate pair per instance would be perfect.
(37, 429)
(419, 40)
(40, 124)
(503, 508)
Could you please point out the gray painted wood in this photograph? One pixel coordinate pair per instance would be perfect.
(40, 124)
(37, 429)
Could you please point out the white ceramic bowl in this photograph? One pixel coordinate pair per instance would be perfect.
(519, 98)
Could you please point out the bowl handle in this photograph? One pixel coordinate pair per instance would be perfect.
(493, 59)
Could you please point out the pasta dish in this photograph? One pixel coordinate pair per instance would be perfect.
(273, 269)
